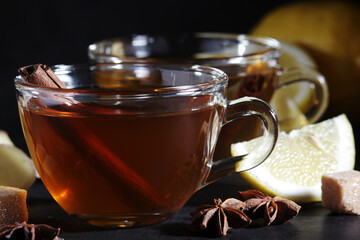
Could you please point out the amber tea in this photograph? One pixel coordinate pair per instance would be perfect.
(167, 173)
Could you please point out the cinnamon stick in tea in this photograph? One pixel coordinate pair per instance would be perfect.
(42, 75)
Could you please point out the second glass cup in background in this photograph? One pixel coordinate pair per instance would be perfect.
(252, 64)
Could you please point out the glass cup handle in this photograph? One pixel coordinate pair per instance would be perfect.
(304, 74)
(243, 107)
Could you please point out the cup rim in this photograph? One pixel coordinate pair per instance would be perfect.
(220, 80)
(273, 50)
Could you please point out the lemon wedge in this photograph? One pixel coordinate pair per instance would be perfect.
(300, 158)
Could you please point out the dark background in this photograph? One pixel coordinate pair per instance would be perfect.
(58, 32)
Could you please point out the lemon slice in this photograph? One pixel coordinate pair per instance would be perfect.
(300, 158)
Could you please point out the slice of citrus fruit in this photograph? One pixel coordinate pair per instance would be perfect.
(300, 158)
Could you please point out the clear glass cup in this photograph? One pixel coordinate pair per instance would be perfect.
(252, 64)
(133, 154)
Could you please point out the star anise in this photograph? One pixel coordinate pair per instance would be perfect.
(220, 216)
(275, 210)
(20, 231)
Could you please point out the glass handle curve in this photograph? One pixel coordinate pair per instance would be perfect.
(243, 107)
(304, 74)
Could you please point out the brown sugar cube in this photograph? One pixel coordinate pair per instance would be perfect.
(341, 192)
(12, 205)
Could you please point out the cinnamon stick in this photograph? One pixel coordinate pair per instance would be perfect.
(42, 75)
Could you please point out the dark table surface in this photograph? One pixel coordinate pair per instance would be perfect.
(313, 222)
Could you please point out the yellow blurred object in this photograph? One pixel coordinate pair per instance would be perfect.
(5, 139)
(329, 32)
(290, 103)
(289, 115)
(16, 168)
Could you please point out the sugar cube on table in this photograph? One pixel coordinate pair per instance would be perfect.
(13, 206)
(341, 191)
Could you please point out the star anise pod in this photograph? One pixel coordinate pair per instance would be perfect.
(220, 216)
(21, 231)
(275, 210)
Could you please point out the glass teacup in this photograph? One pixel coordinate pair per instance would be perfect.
(133, 154)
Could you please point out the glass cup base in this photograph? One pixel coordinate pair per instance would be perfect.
(122, 221)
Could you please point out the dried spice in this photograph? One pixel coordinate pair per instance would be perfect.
(220, 216)
(275, 210)
(42, 75)
(20, 231)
